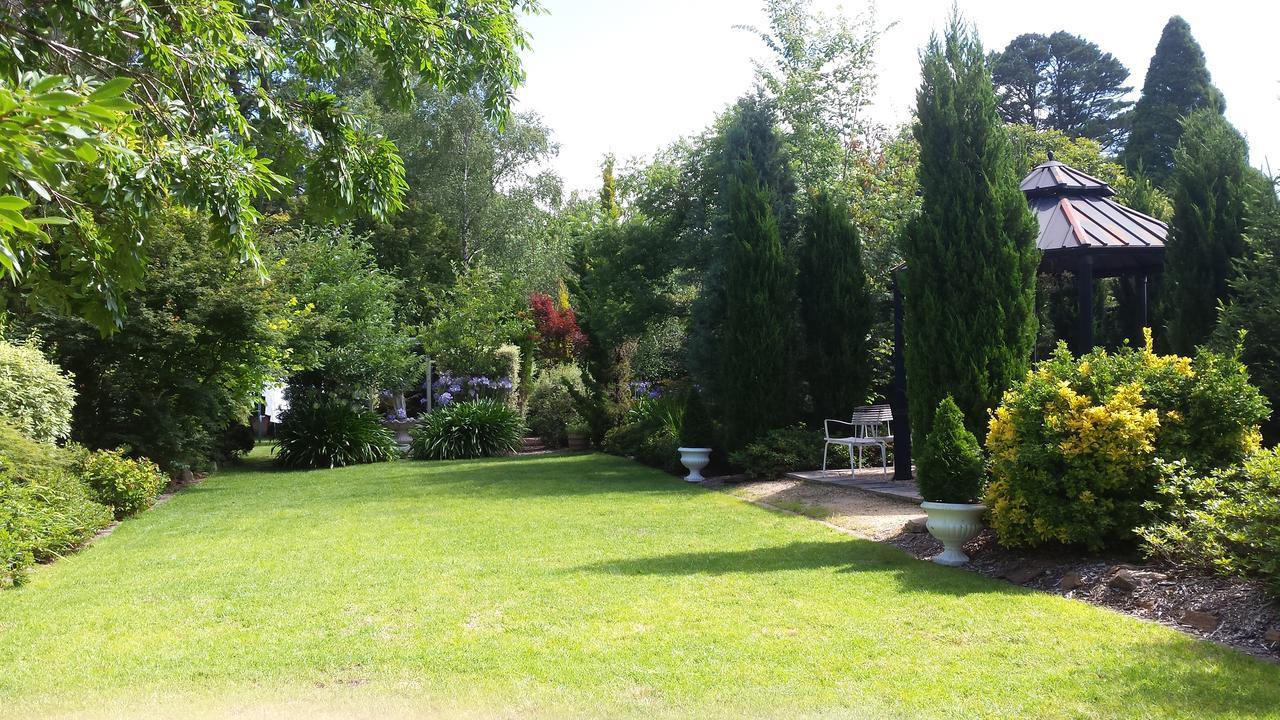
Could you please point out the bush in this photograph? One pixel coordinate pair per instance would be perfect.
(125, 485)
(237, 440)
(1227, 520)
(325, 432)
(1075, 447)
(475, 429)
(45, 510)
(35, 395)
(950, 467)
(696, 429)
(646, 441)
(550, 409)
(780, 451)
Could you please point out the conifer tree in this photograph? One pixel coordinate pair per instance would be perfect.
(608, 192)
(835, 307)
(754, 383)
(1177, 84)
(969, 282)
(1210, 184)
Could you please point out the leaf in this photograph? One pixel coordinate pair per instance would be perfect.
(58, 99)
(13, 202)
(50, 220)
(39, 189)
(111, 88)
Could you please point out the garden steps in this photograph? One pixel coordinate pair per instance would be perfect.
(872, 480)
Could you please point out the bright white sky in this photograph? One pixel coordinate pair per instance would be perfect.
(630, 77)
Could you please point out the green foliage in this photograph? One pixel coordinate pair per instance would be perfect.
(125, 485)
(322, 431)
(474, 429)
(197, 344)
(969, 283)
(342, 336)
(1075, 448)
(1177, 84)
(1062, 82)
(780, 451)
(479, 315)
(213, 85)
(754, 392)
(550, 408)
(836, 309)
(1031, 146)
(649, 434)
(696, 427)
(1210, 188)
(35, 394)
(45, 510)
(1227, 520)
(949, 467)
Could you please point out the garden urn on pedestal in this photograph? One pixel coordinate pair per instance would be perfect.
(950, 478)
(695, 437)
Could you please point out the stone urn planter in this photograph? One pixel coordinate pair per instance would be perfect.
(954, 524)
(401, 429)
(694, 459)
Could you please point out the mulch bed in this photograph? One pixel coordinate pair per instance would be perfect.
(1233, 612)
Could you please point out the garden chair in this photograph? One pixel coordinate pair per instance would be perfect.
(867, 427)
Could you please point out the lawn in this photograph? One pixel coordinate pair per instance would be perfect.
(573, 586)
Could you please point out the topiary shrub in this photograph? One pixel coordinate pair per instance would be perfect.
(474, 429)
(1227, 520)
(779, 452)
(1075, 448)
(949, 468)
(696, 430)
(550, 408)
(35, 395)
(45, 510)
(325, 432)
(125, 485)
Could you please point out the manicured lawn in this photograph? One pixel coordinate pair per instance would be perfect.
(561, 586)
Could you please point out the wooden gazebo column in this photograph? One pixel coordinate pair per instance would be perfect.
(1084, 298)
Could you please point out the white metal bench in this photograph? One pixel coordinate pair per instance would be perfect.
(869, 426)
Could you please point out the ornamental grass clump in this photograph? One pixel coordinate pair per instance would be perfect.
(1076, 448)
(327, 432)
(473, 429)
(950, 465)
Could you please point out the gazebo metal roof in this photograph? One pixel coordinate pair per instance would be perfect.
(1079, 219)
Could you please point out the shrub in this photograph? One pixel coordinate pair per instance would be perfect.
(550, 409)
(1227, 520)
(323, 431)
(45, 510)
(646, 441)
(1074, 447)
(125, 485)
(237, 440)
(35, 395)
(950, 467)
(479, 428)
(780, 451)
(696, 429)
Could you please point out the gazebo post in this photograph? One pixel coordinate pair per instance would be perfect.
(898, 393)
(1084, 293)
(1146, 319)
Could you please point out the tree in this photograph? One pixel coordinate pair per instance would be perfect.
(821, 79)
(1177, 84)
(1210, 185)
(836, 310)
(196, 346)
(755, 393)
(190, 99)
(484, 311)
(969, 281)
(1061, 82)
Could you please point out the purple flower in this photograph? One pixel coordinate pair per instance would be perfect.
(445, 398)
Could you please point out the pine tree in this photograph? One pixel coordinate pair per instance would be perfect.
(609, 207)
(755, 388)
(1211, 181)
(835, 307)
(969, 282)
(1177, 84)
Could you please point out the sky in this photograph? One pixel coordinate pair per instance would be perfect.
(631, 77)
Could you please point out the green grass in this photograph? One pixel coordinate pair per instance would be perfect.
(574, 586)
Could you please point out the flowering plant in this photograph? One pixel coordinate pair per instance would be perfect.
(449, 388)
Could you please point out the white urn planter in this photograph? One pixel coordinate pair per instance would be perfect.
(694, 459)
(954, 524)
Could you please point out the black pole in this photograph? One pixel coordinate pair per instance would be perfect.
(898, 393)
(1084, 290)
(1146, 319)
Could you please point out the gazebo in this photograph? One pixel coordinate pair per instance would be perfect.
(1082, 231)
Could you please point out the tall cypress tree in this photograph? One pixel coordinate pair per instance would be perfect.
(755, 392)
(835, 306)
(969, 283)
(1210, 185)
(1177, 84)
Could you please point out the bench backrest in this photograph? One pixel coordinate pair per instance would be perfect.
(872, 420)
